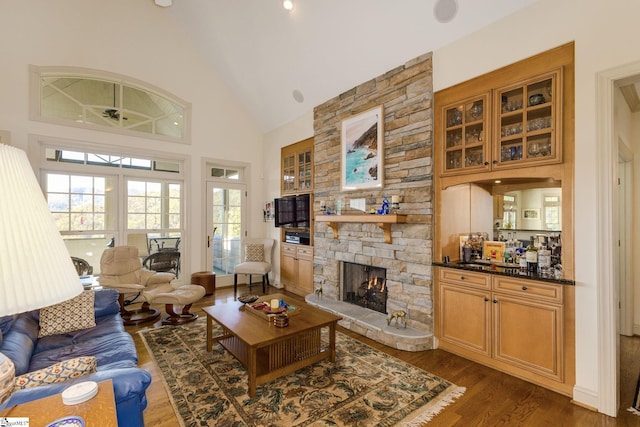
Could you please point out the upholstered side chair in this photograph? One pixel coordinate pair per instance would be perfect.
(122, 269)
(257, 260)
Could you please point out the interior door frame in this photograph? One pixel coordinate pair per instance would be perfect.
(226, 280)
(608, 398)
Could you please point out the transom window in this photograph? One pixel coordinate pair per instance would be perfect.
(106, 101)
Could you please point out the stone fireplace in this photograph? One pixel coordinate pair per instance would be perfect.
(364, 286)
(406, 95)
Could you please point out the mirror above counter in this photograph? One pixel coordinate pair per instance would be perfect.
(519, 209)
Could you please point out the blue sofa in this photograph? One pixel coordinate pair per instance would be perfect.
(114, 349)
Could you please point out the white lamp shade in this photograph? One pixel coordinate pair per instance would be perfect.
(35, 266)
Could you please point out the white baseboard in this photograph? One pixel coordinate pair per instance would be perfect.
(585, 397)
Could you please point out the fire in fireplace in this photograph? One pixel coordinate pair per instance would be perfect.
(365, 285)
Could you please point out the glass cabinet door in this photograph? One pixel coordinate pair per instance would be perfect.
(288, 173)
(304, 170)
(528, 122)
(465, 143)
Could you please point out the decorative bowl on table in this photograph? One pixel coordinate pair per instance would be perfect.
(70, 421)
(247, 299)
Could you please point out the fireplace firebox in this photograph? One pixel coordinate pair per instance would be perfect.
(365, 286)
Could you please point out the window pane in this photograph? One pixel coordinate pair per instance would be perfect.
(58, 202)
(57, 183)
(77, 204)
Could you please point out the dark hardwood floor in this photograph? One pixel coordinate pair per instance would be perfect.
(492, 398)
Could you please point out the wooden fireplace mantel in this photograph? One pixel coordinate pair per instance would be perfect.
(383, 221)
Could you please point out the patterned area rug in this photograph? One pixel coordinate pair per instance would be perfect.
(365, 387)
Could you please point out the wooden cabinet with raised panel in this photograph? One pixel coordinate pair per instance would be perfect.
(296, 268)
(515, 325)
(297, 168)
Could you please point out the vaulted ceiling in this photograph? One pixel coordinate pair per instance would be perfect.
(281, 64)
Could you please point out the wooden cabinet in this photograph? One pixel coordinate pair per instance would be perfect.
(511, 126)
(297, 168)
(515, 325)
(296, 268)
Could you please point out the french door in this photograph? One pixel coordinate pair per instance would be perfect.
(226, 206)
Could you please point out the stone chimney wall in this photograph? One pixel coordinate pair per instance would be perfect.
(406, 94)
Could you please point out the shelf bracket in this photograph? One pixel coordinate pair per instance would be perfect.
(334, 227)
(386, 227)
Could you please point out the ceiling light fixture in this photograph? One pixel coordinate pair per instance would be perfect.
(445, 10)
(164, 3)
(288, 5)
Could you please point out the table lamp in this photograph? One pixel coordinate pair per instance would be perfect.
(35, 266)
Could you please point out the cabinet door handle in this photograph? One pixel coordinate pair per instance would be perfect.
(524, 288)
(495, 301)
(486, 299)
(495, 162)
(487, 163)
(461, 277)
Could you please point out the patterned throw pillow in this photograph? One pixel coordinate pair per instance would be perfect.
(60, 372)
(254, 253)
(68, 316)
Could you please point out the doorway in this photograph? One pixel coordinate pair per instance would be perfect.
(608, 236)
(225, 219)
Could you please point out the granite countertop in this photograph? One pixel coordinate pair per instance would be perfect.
(504, 270)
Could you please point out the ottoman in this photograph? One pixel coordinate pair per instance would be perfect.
(179, 299)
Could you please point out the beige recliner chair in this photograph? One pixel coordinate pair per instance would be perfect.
(121, 269)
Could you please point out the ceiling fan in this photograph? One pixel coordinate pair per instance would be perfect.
(113, 113)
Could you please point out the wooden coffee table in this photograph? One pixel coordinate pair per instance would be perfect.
(267, 351)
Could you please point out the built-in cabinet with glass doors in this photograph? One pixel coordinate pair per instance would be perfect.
(296, 260)
(512, 126)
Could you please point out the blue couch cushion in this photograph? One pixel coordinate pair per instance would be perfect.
(118, 347)
(105, 325)
(19, 342)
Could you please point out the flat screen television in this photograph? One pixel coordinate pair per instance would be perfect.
(293, 211)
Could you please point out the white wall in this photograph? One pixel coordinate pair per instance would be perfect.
(297, 130)
(604, 33)
(136, 39)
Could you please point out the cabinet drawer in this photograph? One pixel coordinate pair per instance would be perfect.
(529, 289)
(289, 250)
(305, 252)
(467, 278)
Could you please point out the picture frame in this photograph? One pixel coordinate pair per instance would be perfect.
(531, 214)
(362, 144)
(268, 211)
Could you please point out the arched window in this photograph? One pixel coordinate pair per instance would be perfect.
(109, 102)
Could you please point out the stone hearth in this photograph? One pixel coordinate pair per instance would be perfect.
(374, 325)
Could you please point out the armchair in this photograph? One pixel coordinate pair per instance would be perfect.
(258, 255)
(122, 269)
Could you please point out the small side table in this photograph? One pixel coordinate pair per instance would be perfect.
(206, 279)
(100, 410)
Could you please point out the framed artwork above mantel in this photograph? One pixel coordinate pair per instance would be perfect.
(362, 140)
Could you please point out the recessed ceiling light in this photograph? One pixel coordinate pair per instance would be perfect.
(164, 3)
(445, 10)
(288, 5)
